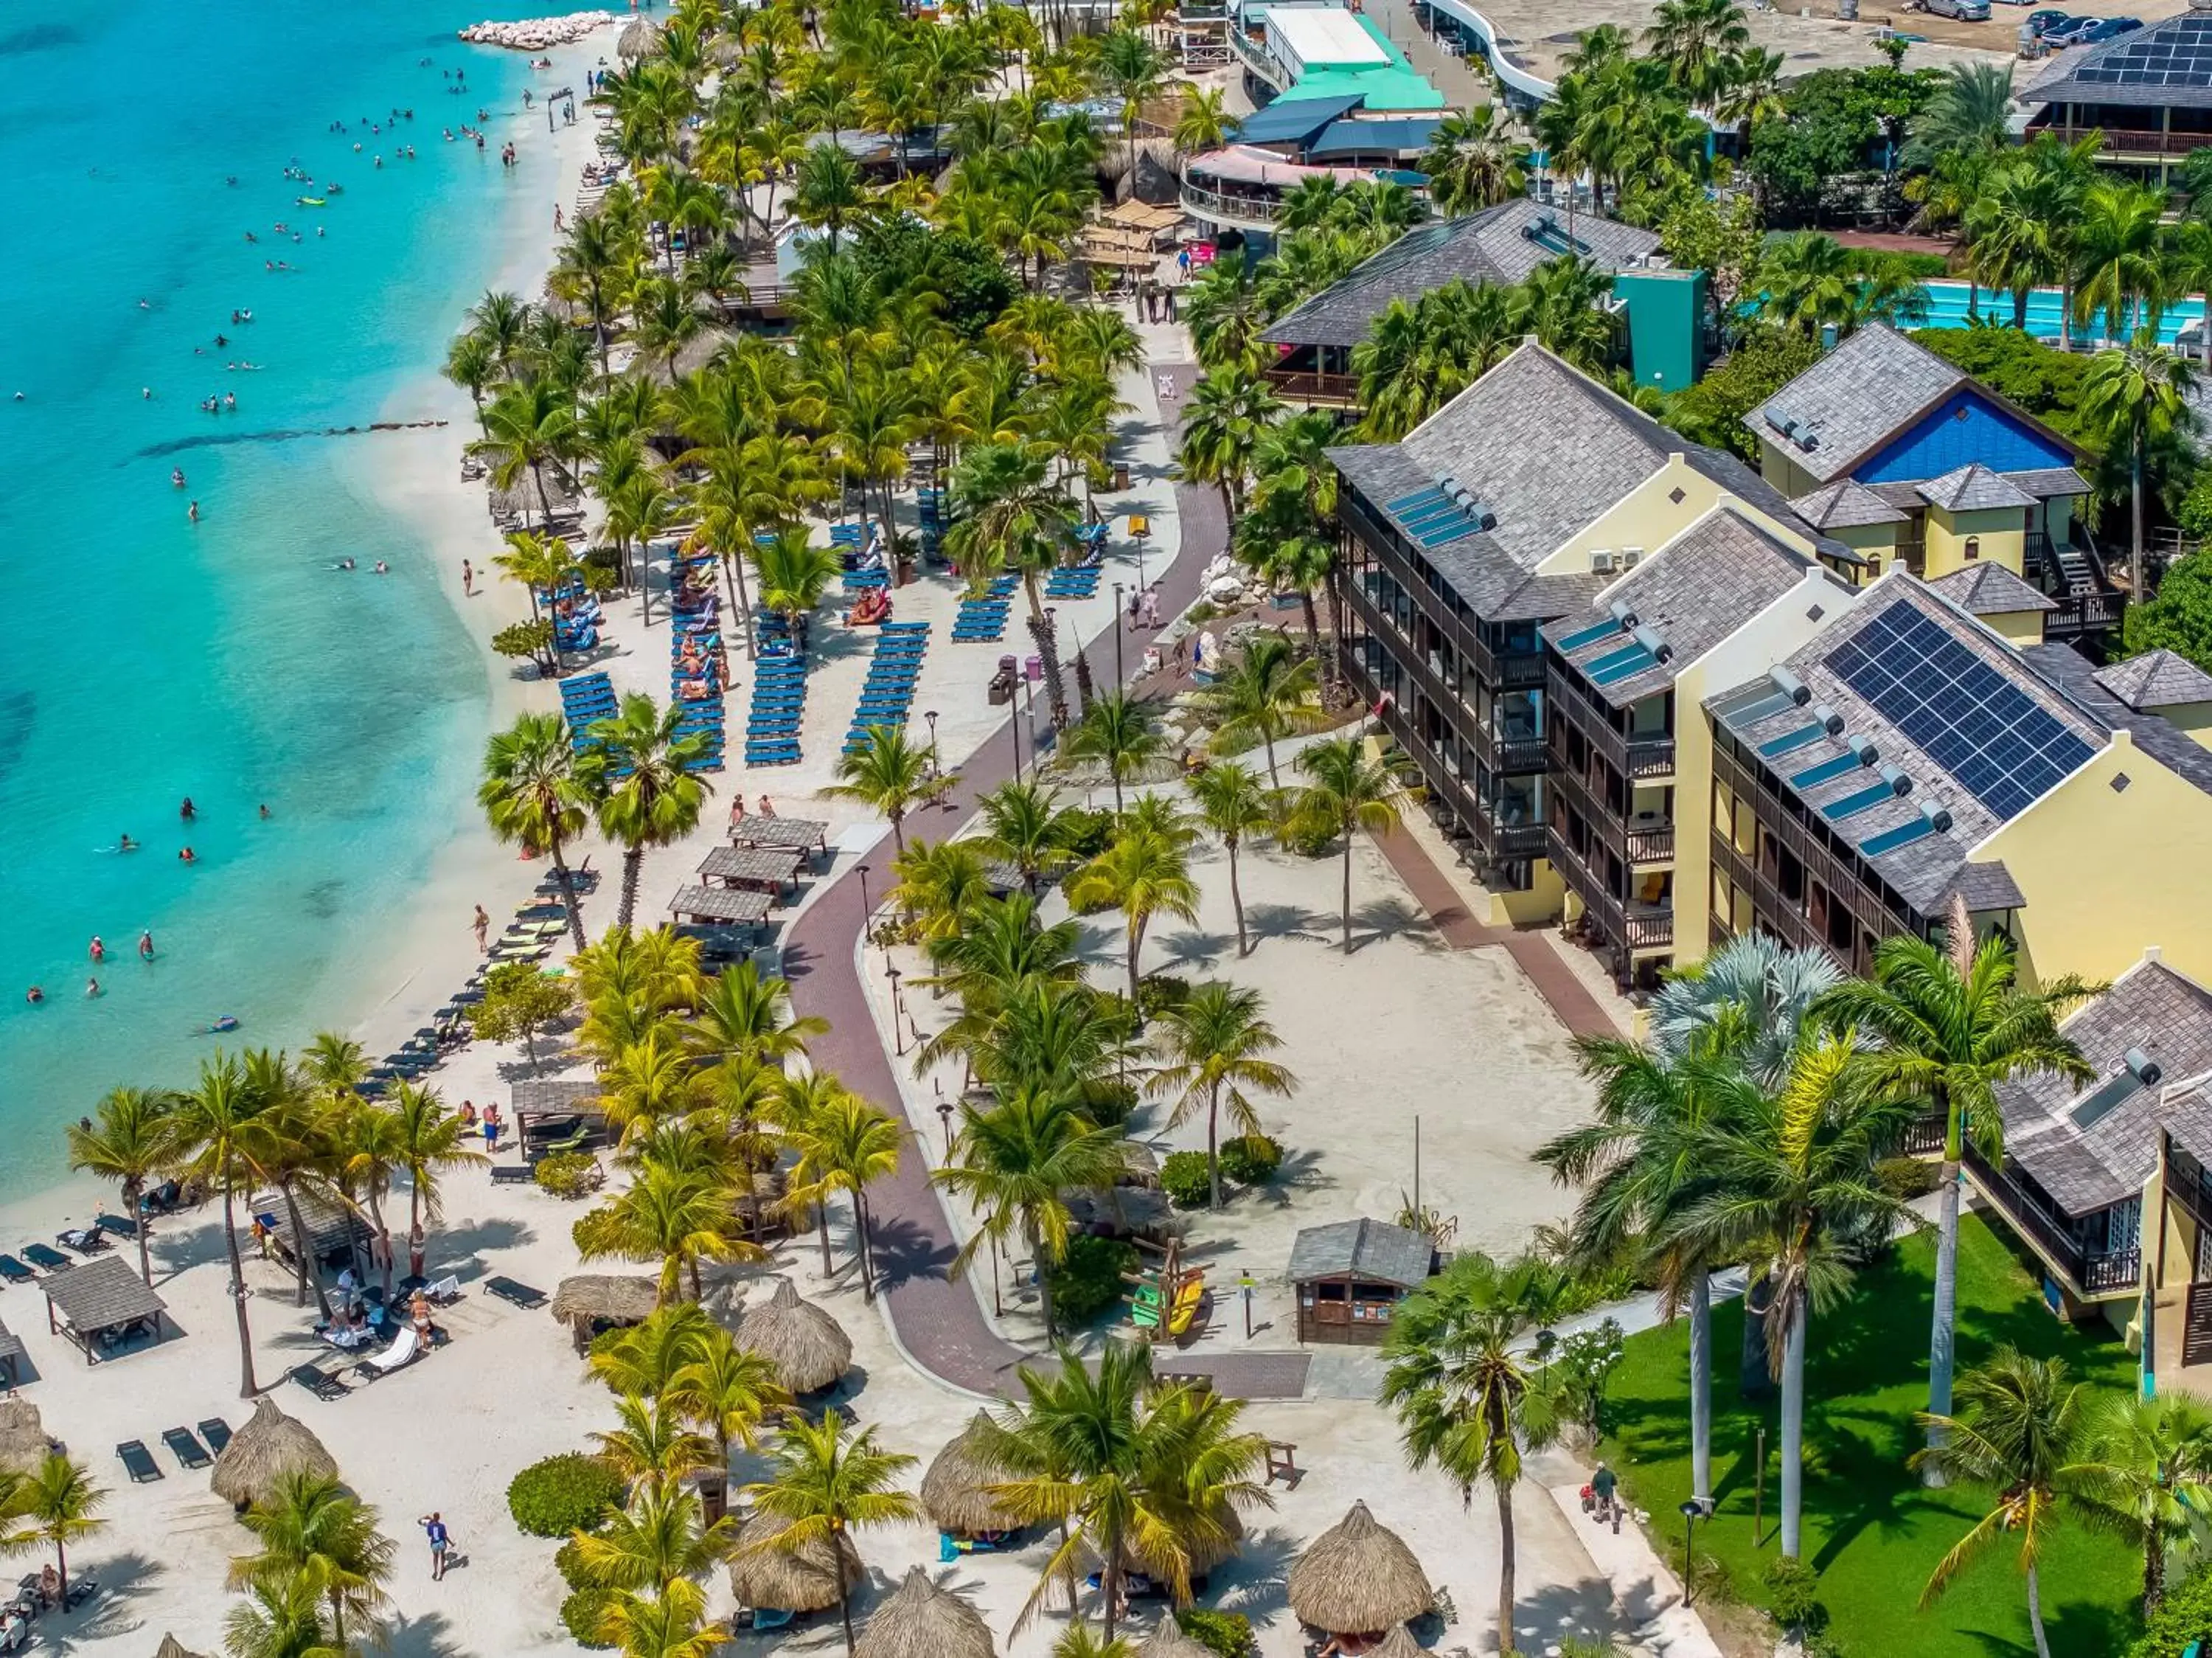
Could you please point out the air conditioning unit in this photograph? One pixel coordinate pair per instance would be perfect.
(1604, 563)
(1630, 558)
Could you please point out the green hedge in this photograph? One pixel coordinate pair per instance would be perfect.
(580, 1615)
(567, 1174)
(1227, 1634)
(2183, 1617)
(1250, 1159)
(1185, 1179)
(1089, 1281)
(564, 1494)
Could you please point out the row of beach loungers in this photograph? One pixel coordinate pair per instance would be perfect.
(576, 615)
(887, 695)
(697, 688)
(778, 706)
(585, 699)
(982, 618)
(25, 1264)
(191, 1450)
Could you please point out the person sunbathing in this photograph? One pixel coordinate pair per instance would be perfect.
(870, 608)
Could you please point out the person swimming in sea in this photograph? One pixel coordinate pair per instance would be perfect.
(192, 512)
(98, 952)
(229, 401)
(34, 996)
(126, 845)
(91, 989)
(383, 568)
(342, 564)
(187, 812)
(177, 476)
(146, 945)
(187, 856)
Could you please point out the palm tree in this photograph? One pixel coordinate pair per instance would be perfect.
(645, 786)
(825, 1482)
(1202, 123)
(1222, 310)
(1131, 69)
(1120, 730)
(844, 1145)
(670, 1625)
(2145, 1475)
(370, 1142)
(1232, 804)
(1347, 791)
(1137, 1473)
(2118, 264)
(890, 773)
(2136, 398)
(312, 1530)
(1223, 420)
(1473, 163)
(934, 882)
(470, 365)
(60, 1506)
(213, 1128)
(1016, 1163)
(1211, 1046)
(675, 1217)
(728, 1391)
(131, 1141)
(2016, 233)
(1969, 113)
(527, 428)
(430, 1141)
(531, 795)
(1268, 695)
(1951, 1024)
(1469, 1402)
(282, 1619)
(793, 575)
(1692, 39)
(538, 562)
(1024, 826)
(652, 1446)
(1792, 1179)
(744, 1015)
(1141, 874)
(2019, 1429)
(1010, 519)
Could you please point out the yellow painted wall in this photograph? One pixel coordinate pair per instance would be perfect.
(1876, 541)
(2193, 718)
(2106, 872)
(1544, 900)
(2002, 534)
(1776, 466)
(2022, 627)
(1647, 518)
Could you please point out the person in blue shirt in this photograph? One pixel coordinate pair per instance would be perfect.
(441, 1540)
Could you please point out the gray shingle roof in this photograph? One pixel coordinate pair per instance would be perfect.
(1990, 590)
(1846, 504)
(1871, 384)
(1494, 245)
(1691, 595)
(2155, 680)
(101, 1294)
(2044, 481)
(1986, 886)
(2070, 672)
(1974, 488)
(2093, 1145)
(1920, 871)
(2162, 66)
(1362, 1249)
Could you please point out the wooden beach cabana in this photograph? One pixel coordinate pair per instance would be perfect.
(1350, 1275)
(335, 1233)
(801, 1580)
(801, 834)
(102, 1306)
(269, 1446)
(770, 869)
(955, 1492)
(11, 1356)
(1358, 1578)
(23, 1441)
(592, 1302)
(921, 1620)
(557, 1113)
(808, 1347)
(725, 906)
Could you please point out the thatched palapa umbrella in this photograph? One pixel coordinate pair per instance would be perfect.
(809, 1349)
(1358, 1578)
(590, 1298)
(173, 1648)
(23, 1443)
(1168, 1640)
(640, 39)
(1399, 1643)
(956, 1489)
(924, 1621)
(269, 1446)
(804, 1579)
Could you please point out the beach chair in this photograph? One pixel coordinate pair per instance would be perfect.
(217, 1433)
(319, 1382)
(46, 1257)
(515, 1294)
(84, 1240)
(120, 1225)
(14, 1271)
(186, 1449)
(444, 1292)
(138, 1461)
(512, 1174)
(406, 1348)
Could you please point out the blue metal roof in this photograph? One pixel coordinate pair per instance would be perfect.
(1398, 135)
(1298, 121)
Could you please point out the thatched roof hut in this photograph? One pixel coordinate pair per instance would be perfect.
(173, 1648)
(924, 1621)
(591, 1301)
(692, 356)
(808, 1347)
(525, 498)
(640, 39)
(1168, 1640)
(804, 1579)
(269, 1446)
(1358, 1578)
(1398, 1643)
(955, 1490)
(23, 1442)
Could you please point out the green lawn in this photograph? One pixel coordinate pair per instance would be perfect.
(1869, 1529)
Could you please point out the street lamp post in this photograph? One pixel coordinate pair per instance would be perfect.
(898, 1036)
(945, 1116)
(1119, 676)
(936, 768)
(1692, 1510)
(866, 910)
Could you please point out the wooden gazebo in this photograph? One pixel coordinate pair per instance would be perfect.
(102, 1306)
(1351, 1275)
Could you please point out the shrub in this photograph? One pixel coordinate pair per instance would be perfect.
(1186, 1180)
(1307, 840)
(568, 1560)
(568, 1173)
(1110, 1104)
(595, 1233)
(563, 1494)
(1793, 1594)
(1229, 1634)
(2183, 1618)
(1159, 993)
(1250, 1159)
(581, 1613)
(1906, 1178)
(1085, 834)
(1089, 1281)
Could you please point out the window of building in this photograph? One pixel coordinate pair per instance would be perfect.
(1974, 548)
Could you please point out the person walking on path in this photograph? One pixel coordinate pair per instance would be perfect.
(1605, 1486)
(482, 925)
(441, 1540)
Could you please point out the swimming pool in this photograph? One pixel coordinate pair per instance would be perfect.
(1947, 308)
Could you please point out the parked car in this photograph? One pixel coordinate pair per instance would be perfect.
(2111, 29)
(2069, 33)
(2048, 19)
(1964, 11)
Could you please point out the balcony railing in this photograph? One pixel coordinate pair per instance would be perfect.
(1635, 841)
(1632, 927)
(1223, 209)
(2096, 1272)
(1635, 757)
(1314, 385)
(1500, 670)
(2088, 614)
(2122, 141)
(1258, 59)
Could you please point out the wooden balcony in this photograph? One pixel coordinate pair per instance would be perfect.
(1634, 928)
(1314, 385)
(1640, 758)
(1218, 207)
(1639, 843)
(2093, 1272)
(2093, 612)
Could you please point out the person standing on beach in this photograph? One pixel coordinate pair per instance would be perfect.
(482, 925)
(468, 580)
(441, 1540)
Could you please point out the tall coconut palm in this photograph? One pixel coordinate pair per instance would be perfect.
(531, 796)
(1212, 1046)
(2145, 1475)
(1143, 875)
(213, 1133)
(1267, 694)
(1346, 791)
(2019, 1427)
(1025, 825)
(1223, 420)
(1011, 519)
(285, 1619)
(1469, 1398)
(675, 1218)
(793, 574)
(2117, 265)
(1970, 113)
(1694, 39)
(729, 1390)
(1233, 804)
(56, 1505)
(1222, 310)
(652, 1446)
(131, 1140)
(1474, 162)
(431, 1140)
(2136, 397)
(844, 1145)
(1951, 1024)
(1120, 730)
(890, 773)
(1202, 123)
(371, 1146)
(312, 1530)
(671, 1623)
(826, 1481)
(527, 429)
(645, 784)
(745, 1014)
(472, 365)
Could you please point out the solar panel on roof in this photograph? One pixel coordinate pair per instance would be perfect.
(1837, 810)
(1889, 840)
(1791, 739)
(1589, 636)
(1625, 666)
(1826, 771)
(1996, 741)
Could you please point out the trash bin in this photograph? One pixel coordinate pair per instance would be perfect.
(1121, 474)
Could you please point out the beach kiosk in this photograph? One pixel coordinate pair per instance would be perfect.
(101, 1307)
(1350, 1275)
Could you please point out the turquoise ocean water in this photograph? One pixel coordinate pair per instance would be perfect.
(142, 658)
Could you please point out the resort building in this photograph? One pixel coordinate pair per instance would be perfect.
(1913, 463)
(1338, 131)
(2148, 95)
(1501, 245)
(1910, 753)
(1241, 187)
(1519, 503)
(1326, 52)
